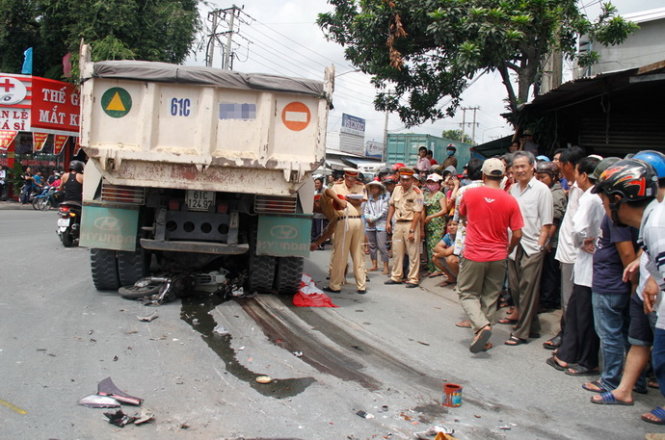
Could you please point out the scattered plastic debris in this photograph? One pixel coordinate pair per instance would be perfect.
(505, 427)
(148, 318)
(436, 432)
(144, 416)
(119, 418)
(263, 379)
(220, 330)
(297, 353)
(97, 401)
(309, 295)
(384, 408)
(107, 388)
(364, 415)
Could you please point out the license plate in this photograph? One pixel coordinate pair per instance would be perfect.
(63, 222)
(200, 200)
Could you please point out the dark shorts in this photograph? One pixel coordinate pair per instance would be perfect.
(640, 331)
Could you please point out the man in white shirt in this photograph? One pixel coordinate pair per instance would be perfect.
(526, 261)
(580, 342)
(566, 252)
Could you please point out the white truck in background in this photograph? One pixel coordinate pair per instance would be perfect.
(195, 165)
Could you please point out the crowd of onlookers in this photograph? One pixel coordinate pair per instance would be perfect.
(527, 233)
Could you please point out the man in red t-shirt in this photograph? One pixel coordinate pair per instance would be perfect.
(490, 213)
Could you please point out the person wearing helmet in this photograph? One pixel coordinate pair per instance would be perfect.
(72, 183)
(629, 190)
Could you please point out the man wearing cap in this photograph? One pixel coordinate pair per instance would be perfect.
(348, 197)
(490, 213)
(406, 206)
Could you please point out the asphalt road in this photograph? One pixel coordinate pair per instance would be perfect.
(386, 353)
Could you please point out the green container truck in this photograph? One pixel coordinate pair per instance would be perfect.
(404, 148)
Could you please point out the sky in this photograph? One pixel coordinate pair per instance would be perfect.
(281, 37)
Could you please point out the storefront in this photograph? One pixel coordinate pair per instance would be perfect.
(39, 123)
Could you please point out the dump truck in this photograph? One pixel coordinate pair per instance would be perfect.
(191, 166)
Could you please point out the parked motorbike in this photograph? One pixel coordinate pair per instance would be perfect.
(69, 223)
(46, 199)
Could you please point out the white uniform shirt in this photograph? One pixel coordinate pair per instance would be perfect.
(566, 252)
(536, 205)
(586, 224)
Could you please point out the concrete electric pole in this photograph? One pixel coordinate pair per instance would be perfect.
(227, 19)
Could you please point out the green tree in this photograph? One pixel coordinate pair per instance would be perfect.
(457, 135)
(153, 30)
(429, 49)
(18, 31)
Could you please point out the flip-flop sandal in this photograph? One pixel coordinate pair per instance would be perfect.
(552, 362)
(657, 412)
(446, 283)
(599, 387)
(514, 340)
(581, 371)
(608, 398)
(507, 321)
(463, 324)
(481, 339)
(553, 343)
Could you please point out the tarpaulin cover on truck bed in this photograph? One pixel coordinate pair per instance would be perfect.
(163, 72)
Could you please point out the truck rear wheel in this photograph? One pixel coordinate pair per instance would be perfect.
(104, 269)
(288, 275)
(132, 266)
(261, 273)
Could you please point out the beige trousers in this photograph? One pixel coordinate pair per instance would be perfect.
(479, 286)
(402, 246)
(349, 238)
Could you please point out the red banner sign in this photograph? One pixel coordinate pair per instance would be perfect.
(59, 142)
(38, 141)
(6, 138)
(55, 105)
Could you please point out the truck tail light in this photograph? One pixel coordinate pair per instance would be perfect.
(122, 194)
(275, 205)
(174, 205)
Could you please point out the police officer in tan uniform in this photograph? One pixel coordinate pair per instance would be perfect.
(348, 197)
(406, 206)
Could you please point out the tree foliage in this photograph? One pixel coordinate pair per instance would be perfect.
(154, 30)
(457, 135)
(428, 49)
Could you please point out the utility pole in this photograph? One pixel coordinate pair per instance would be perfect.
(473, 124)
(385, 137)
(225, 17)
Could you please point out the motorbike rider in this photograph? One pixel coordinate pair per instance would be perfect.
(72, 183)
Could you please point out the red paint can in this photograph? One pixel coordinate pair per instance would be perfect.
(452, 395)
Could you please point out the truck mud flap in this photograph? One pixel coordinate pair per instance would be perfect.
(112, 228)
(284, 236)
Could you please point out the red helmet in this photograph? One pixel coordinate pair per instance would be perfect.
(397, 166)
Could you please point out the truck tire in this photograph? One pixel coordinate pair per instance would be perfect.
(288, 275)
(261, 273)
(132, 266)
(104, 269)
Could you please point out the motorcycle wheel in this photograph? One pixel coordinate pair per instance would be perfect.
(41, 203)
(133, 292)
(67, 239)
